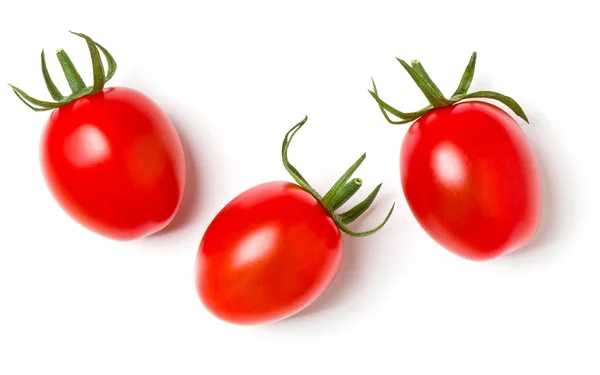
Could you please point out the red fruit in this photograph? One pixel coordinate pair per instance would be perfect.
(268, 254)
(468, 172)
(276, 247)
(110, 156)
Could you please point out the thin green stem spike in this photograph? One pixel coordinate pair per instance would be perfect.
(340, 192)
(331, 195)
(346, 192)
(76, 83)
(435, 96)
(79, 94)
(353, 214)
(73, 77)
(110, 61)
(420, 69)
(35, 102)
(97, 67)
(385, 107)
(288, 166)
(467, 78)
(406, 117)
(52, 89)
(506, 100)
(346, 230)
(37, 109)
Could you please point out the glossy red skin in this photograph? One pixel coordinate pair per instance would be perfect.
(114, 162)
(471, 180)
(267, 254)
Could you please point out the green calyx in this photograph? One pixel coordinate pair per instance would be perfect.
(436, 98)
(340, 192)
(76, 83)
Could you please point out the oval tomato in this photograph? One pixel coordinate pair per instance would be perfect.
(114, 163)
(276, 247)
(110, 156)
(267, 254)
(468, 172)
(471, 180)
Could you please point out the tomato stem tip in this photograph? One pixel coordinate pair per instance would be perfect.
(76, 83)
(341, 191)
(435, 97)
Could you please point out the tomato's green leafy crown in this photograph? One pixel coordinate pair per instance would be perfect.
(76, 83)
(339, 193)
(436, 98)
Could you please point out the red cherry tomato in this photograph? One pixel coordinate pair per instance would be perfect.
(468, 172)
(110, 156)
(268, 254)
(471, 180)
(114, 162)
(276, 247)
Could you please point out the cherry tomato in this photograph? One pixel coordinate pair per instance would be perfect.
(468, 172)
(471, 180)
(111, 157)
(275, 248)
(268, 254)
(114, 162)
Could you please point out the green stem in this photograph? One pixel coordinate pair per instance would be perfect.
(76, 83)
(506, 100)
(110, 61)
(73, 77)
(420, 69)
(289, 167)
(35, 102)
(345, 229)
(97, 67)
(467, 78)
(355, 212)
(52, 89)
(435, 96)
(345, 193)
(339, 193)
(330, 196)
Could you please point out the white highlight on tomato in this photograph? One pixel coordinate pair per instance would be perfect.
(256, 246)
(86, 146)
(449, 165)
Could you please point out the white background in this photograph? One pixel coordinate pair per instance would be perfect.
(234, 76)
